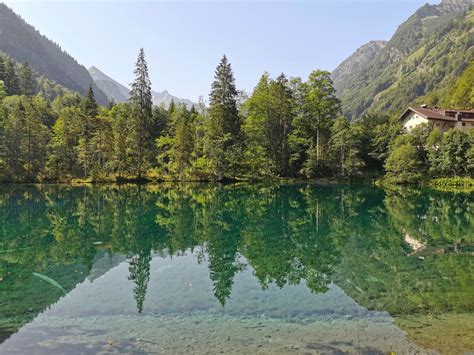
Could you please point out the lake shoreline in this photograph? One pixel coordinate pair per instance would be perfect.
(454, 184)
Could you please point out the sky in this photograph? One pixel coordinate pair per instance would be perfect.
(184, 40)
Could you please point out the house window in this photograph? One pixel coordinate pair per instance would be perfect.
(463, 124)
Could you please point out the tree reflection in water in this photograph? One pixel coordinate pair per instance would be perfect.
(353, 236)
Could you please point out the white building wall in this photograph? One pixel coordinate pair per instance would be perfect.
(412, 120)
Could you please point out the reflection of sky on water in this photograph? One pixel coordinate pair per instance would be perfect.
(180, 287)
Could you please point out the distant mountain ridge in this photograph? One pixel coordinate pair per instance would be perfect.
(429, 50)
(113, 89)
(361, 57)
(24, 43)
(120, 93)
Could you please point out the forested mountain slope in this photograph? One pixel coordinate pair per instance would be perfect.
(20, 79)
(429, 51)
(24, 43)
(345, 72)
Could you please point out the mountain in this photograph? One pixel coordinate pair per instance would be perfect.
(165, 98)
(428, 51)
(120, 93)
(111, 88)
(24, 43)
(342, 75)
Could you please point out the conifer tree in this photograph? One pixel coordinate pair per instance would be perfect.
(223, 129)
(89, 111)
(184, 141)
(26, 80)
(120, 131)
(142, 118)
(11, 79)
(35, 141)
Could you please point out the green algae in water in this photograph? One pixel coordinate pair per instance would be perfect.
(234, 267)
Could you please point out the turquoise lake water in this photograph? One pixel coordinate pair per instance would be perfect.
(191, 268)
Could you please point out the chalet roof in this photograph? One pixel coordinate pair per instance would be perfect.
(438, 114)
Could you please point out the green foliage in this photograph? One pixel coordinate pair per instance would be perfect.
(285, 129)
(421, 64)
(48, 59)
(319, 108)
(402, 165)
(344, 145)
(463, 94)
(176, 148)
(450, 153)
(453, 181)
(20, 79)
(26, 78)
(272, 235)
(141, 138)
(222, 128)
(26, 139)
(267, 127)
(429, 151)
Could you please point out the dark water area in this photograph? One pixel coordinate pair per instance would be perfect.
(235, 268)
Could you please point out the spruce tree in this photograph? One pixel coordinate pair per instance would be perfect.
(223, 103)
(89, 111)
(223, 128)
(142, 118)
(26, 79)
(11, 79)
(183, 141)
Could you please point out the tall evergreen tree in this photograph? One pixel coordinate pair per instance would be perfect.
(11, 78)
(26, 80)
(120, 130)
(26, 139)
(184, 141)
(223, 130)
(142, 117)
(89, 111)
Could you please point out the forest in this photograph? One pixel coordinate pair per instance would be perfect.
(288, 128)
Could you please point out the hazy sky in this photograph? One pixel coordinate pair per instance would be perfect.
(185, 40)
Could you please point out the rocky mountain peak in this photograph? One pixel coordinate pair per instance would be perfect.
(357, 60)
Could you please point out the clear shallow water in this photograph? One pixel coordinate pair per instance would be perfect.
(247, 268)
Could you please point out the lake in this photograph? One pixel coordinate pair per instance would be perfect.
(201, 268)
